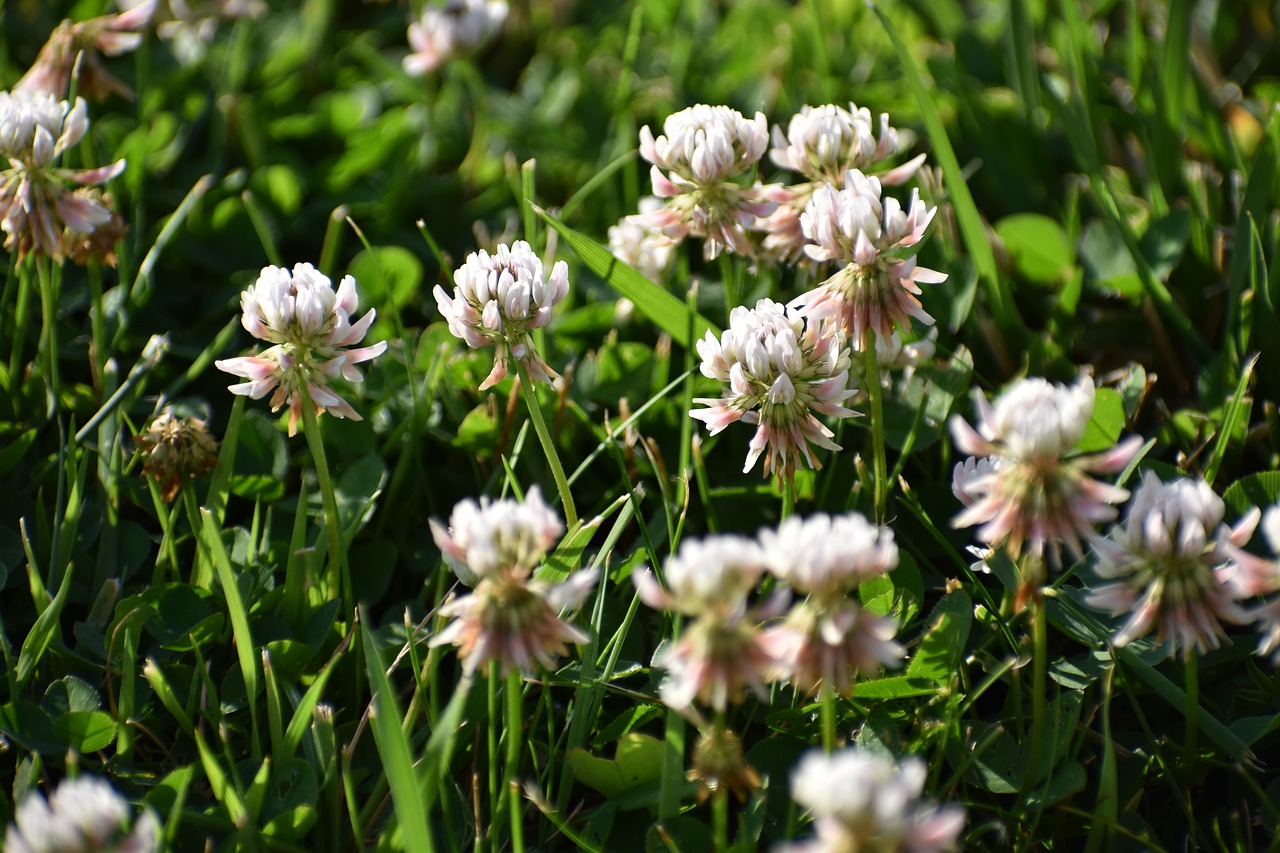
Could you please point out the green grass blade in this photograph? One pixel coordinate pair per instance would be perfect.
(211, 544)
(1237, 411)
(37, 641)
(407, 795)
(669, 313)
(970, 221)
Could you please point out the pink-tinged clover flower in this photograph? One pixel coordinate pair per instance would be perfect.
(823, 143)
(498, 300)
(83, 815)
(1264, 578)
(781, 370)
(721, 649)
(862, 801)
(876, 288)
(637, 243)
(1175, 568)
(695, 160)
(1023, 484)
(454, 29)
(828, 637)
(46, 209)
(509, 618)
(189, 26)
(311, 334)
(106, 35)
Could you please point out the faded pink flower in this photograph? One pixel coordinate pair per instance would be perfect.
(52, 211)
(862, 801)
(828, 637)
(637, 243)
(454, 29)
(106, 35)
(780, 371)
(310, 329)
(702, 149)
(876, 289)
(1174, 567)
(494, 546)
(189, 26)
(1029, 487)
(721, 649)
(498, 300)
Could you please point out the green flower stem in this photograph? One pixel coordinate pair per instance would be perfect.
(1193, 709)
(1039, 687)
(827, 704)
(548, 447)
(339, 573)
(880, 469)
(49, 331)
(515, 725)
(720, 799)
(788, 496)
(492, 742)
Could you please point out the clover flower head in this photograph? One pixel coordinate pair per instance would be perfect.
(1174, 567)
(498, 300)
(863, 801)
(189, 26)
(509, 619)
(780, 371)
(719, 762)
(720, 651)
(702, 149)
(52, 211)
(634, 241)
(827, 637)
(312, 337)
(828, 556)
(82, 815)
(823, 143)
(106, 35)
(454, 29)
(175, 450)
(1022, 484)
(1263, 578)
(489, 538)
(876, 288)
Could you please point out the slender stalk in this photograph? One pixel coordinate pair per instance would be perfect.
(1039, 687)
(788, 496)
(880, 468)
(720, 800)
(827, 705)
(49, 331)
(494, 675)
(515, 724)
(339, 574)
(1193, 709)
(548, 446)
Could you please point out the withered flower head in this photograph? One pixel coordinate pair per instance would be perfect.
(175, 450)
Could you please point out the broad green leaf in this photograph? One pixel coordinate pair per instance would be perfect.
(1260, 490)
(1106, 422)
(669, 313)
(478, 431)
(895, 687)
(86, 731)
(944, 640)
(1038, 246)
(638, 760)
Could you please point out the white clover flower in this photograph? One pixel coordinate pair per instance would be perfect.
(702, 149)
(636, 242)
(454, 29)
(1174, 567)
(509, 618)
(84, 815)
(310, 329)
(1028, 488)
(721, 650)
(875, 289)
(189, 26)
(823, 143)
(52, 211)
(488, 538)
(827, 637)
(861, 801)
(1263, 577)
(780, 371)
(828, 556)
(498, 300)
